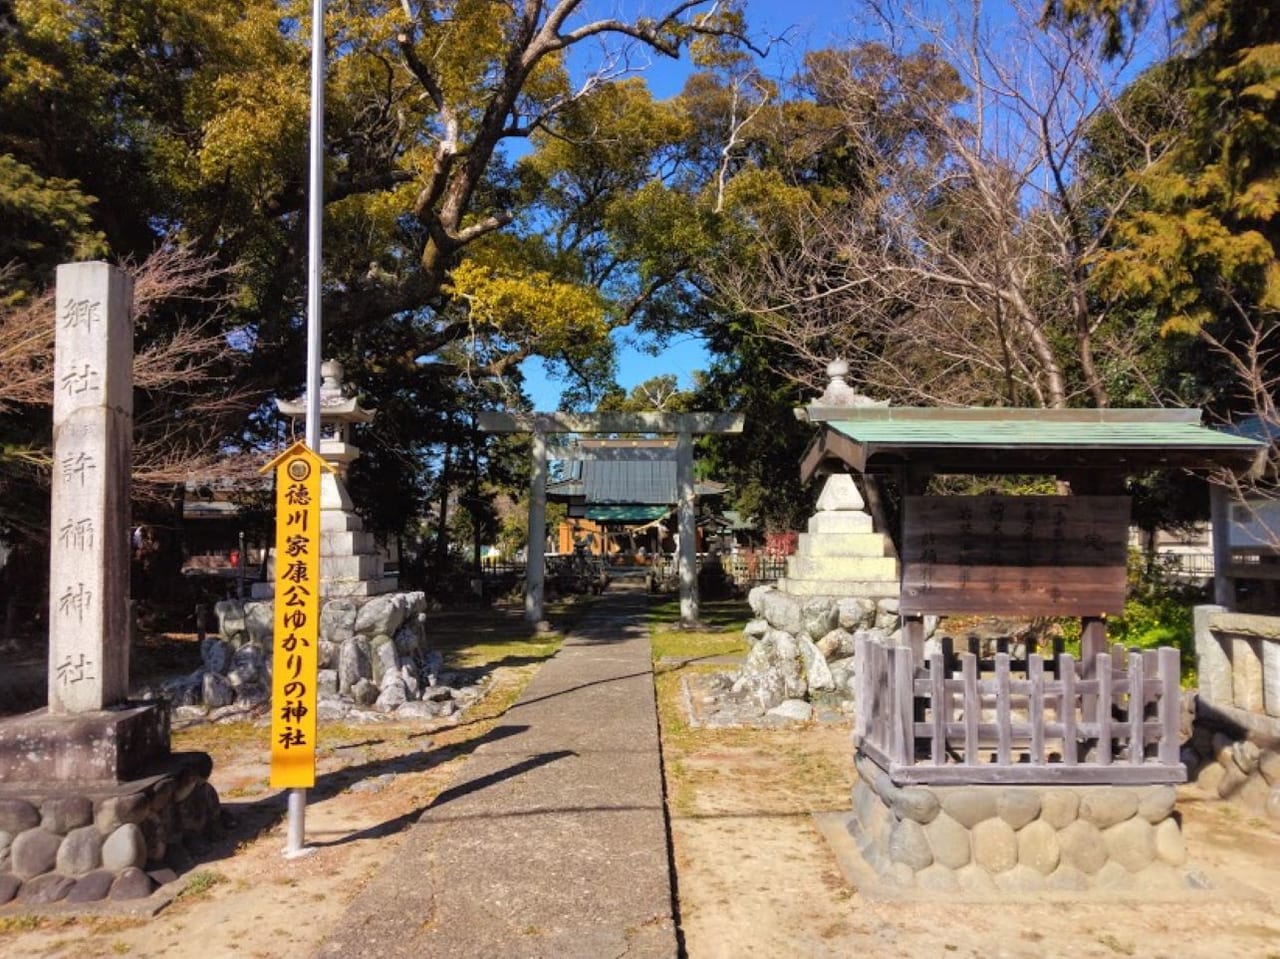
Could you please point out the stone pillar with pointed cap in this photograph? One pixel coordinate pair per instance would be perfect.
(841, 554)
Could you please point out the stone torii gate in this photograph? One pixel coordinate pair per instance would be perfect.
(683, 425)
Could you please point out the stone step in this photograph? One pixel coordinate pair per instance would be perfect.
(877, 568)
(367, 566)
(832, 521)
(343, 587)
(844, 544)
(332, 520)
(839, 588)
(334, 542)
(333, 493)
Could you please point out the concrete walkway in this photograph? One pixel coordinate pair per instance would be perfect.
(552, 841)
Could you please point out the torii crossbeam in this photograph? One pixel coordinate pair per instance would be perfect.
(683, 425)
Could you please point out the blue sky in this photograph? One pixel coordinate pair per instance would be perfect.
(797, 26)
(802, 23)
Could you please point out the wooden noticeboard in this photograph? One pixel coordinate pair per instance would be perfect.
(1014, 555)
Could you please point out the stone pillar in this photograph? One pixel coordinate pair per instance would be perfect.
(92, 438)
(1224, 587)
(1213, 664)
(688, 530)
(535, 568)
(1246, 672)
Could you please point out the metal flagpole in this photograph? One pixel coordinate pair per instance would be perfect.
(315, 221)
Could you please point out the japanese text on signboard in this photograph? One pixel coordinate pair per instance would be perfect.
(297, 614)
(1037, 555)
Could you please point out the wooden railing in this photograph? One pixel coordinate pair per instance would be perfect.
(951, 721)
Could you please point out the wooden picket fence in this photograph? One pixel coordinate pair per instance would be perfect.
(958, 719)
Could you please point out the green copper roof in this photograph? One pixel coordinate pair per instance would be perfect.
(969, 439)
(626, 514)
(1031, 434)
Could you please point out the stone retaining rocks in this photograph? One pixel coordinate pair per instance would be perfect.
(1235, 757)
(986, 839)
(83, 843)
(374, 664)
(801, 648)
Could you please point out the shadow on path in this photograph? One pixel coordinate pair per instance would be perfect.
(393, 826)
(247, 820)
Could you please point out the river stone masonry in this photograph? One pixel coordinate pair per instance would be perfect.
(374, 664)
(990, 840)
(83, 842)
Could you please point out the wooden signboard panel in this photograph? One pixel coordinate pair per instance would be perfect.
(1014, 555)
(295, 658)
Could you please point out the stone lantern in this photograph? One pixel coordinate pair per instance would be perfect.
(351, 564)
(337, 413)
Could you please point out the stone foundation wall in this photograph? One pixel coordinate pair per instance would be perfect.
(84, 843)
(993, 839)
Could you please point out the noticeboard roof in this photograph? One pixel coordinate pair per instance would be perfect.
(982, 440)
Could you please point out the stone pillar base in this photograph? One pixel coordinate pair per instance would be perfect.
(109, 745)
(84, 842)
(993, 840)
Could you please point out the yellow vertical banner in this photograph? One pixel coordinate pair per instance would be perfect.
(294, 664)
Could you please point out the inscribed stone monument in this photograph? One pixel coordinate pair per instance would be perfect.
(92, 435)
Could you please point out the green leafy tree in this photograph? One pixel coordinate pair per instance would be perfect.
(1200, 244)
(129, 124)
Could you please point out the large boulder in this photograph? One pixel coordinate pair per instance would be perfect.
(230, 614)
(774, 670)
(215, 654)
(383, 659)
(248, 665)
(353, 664)
(338, 620)
(836, 644)
(259, 618)
(411, 636)
(783, 612)
(818, 616)
(217, 691)
(382, 614)
(816, 671)
(755, 598)
(856, 612)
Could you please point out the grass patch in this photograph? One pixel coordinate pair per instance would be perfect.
(717, 615)
(1116, 945)
(106, 925)
(816, 769)
(223, 740)
(200, 882)
(488, 637)
(510, 652)
(10, 925)
(721, 635)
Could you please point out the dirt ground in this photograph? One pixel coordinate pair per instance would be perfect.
(755, 877)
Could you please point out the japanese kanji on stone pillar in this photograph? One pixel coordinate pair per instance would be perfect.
(92, 438)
